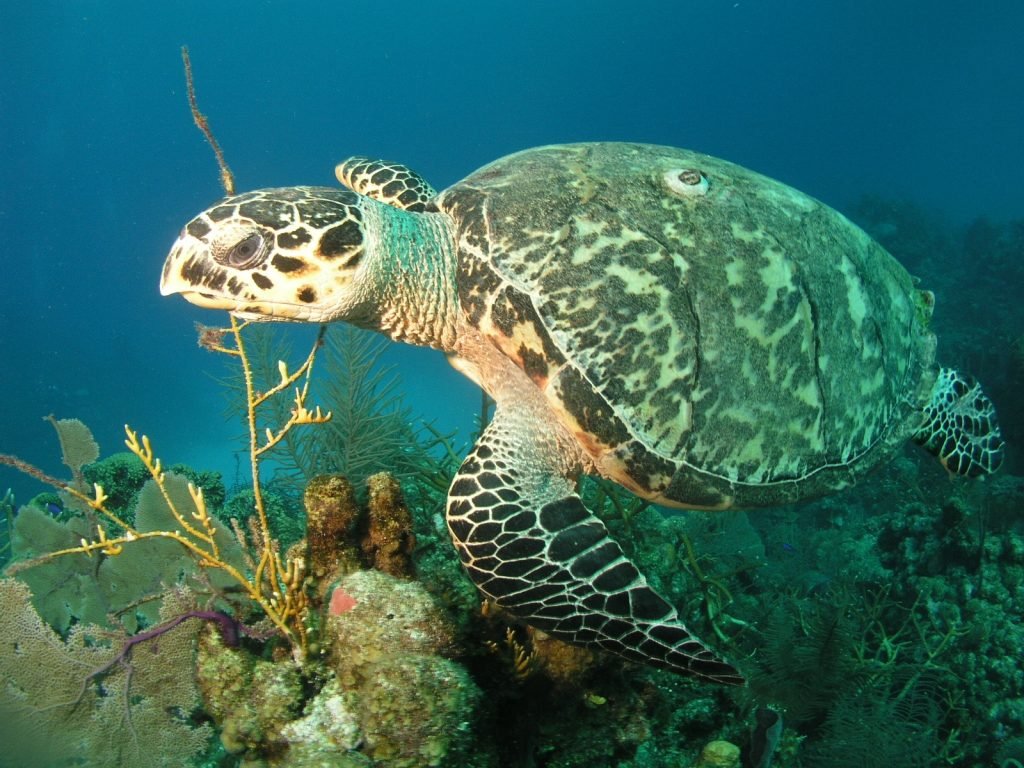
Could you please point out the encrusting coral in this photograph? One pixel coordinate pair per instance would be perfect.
(328, 733)
(249, 699)
(332, 519)
(389, 639)
(385, 689)
(374, 616)
(419, 710)
(389, 541)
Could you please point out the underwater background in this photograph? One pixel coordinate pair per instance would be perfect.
(907, 117)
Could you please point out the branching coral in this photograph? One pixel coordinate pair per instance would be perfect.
(274, 583)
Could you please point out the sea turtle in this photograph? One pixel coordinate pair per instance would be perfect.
(703, 335)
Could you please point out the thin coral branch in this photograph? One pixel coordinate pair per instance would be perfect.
(95, 502)
(287, 379)
(227, 179)
(144, 451)
(256, 449)
(278, 582)
(31, 471)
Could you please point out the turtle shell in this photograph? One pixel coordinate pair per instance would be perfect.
(710, 336)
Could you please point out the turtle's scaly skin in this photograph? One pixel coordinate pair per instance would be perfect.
(960, 426)
(389, 183)
(701, 334)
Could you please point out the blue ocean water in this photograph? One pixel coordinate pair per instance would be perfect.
(102, 164)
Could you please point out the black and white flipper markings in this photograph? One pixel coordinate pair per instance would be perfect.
(960, 426)
(390, 183)
(530, 545)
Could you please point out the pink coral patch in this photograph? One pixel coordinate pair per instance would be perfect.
(341, 602)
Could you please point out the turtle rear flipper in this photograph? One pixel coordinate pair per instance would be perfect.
(960, 426)
(530, 544)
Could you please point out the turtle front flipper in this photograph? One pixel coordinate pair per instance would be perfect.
(530, 545)
(960, 426)
(390, 183)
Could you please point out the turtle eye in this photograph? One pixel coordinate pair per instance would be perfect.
(690, 177)
(686, 182)
(246, 253)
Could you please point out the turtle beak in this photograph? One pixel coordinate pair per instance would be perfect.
(172, 280)
(191, 272)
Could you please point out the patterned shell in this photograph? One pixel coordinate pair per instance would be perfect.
(712, 337)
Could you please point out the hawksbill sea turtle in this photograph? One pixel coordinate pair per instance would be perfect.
(696, 332)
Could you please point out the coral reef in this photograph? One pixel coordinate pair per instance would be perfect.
(400, 668)
(249, 699)
(404, 674)
(384, 689)
(902, 654)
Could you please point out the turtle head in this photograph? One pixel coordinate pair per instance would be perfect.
(292, 253)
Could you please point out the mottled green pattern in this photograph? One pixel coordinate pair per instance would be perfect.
(752, 341)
